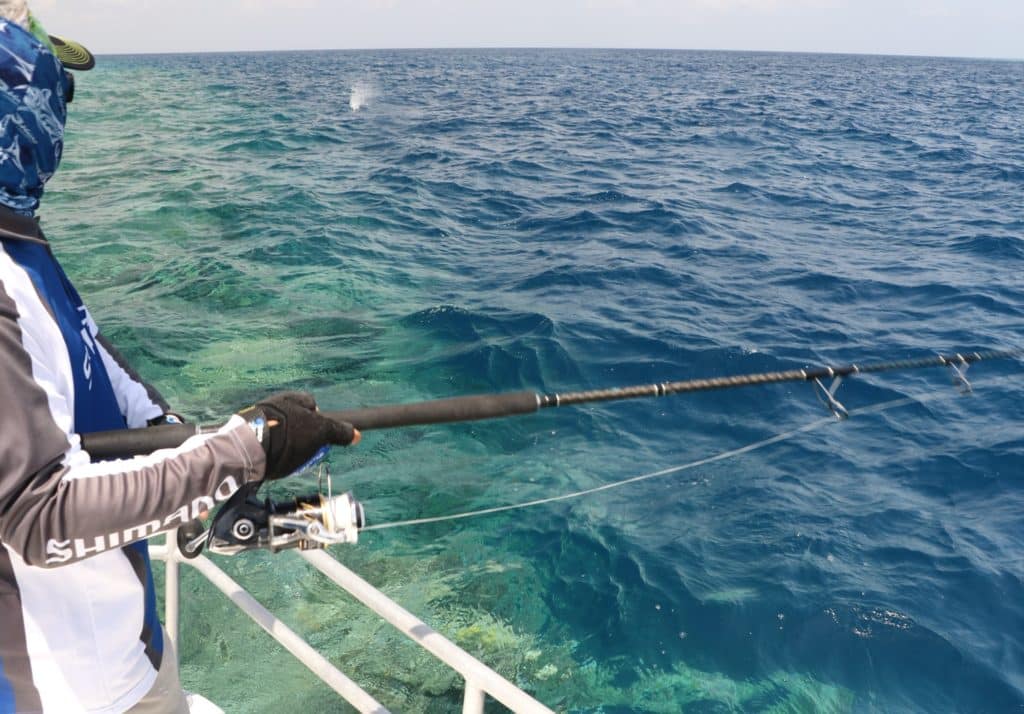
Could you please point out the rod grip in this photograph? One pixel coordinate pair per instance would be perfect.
(125, 443)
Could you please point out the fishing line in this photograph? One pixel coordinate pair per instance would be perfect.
(722, 456)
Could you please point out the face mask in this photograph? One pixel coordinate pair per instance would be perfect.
(34, 89)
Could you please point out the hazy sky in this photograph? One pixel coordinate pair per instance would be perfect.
(970, 28)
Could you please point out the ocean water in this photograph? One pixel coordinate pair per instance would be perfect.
(381, 227)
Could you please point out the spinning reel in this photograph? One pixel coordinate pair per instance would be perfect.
(246, 522)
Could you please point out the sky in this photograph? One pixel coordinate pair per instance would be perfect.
(960, 28)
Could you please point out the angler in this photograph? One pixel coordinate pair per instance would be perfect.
(78, 623)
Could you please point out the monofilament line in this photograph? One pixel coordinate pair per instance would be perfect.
(784, 436)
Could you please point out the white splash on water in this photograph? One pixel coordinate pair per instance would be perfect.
(362, 94)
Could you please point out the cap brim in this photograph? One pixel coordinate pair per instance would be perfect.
(72, 55)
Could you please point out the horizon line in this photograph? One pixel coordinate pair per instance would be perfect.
(561, 47)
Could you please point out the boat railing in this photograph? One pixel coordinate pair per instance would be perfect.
(480, 680)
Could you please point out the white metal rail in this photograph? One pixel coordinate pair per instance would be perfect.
(479, 678)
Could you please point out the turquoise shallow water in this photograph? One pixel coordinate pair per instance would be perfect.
(391, 226)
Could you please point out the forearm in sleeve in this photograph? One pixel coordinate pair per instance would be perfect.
(73, 513)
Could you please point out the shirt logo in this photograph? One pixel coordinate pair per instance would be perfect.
(90, 346)
(63, 551)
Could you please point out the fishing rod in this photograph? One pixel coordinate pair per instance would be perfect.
(125, 443)
(246, 522)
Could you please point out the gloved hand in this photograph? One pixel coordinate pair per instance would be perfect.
(292, 431)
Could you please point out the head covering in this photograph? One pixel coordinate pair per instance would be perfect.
(33, 86)
(71, 54)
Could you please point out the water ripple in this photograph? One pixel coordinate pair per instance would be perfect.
(495, 220)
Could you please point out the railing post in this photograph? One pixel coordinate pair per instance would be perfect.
(172, 587)
(473, 702)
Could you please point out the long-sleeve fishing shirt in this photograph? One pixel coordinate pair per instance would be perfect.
(78, 623)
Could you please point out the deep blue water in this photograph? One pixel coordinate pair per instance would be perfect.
(399, 225)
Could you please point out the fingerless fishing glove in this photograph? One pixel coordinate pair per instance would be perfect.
(292, 431)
